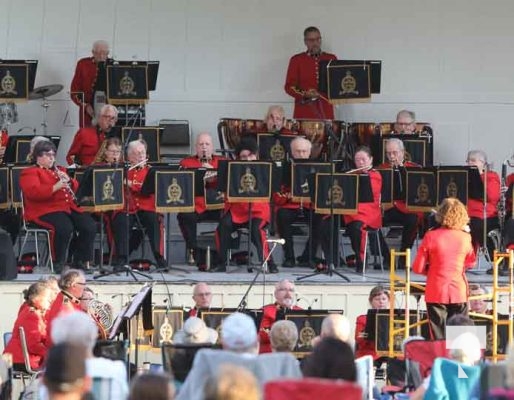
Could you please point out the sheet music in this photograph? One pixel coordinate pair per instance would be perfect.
(116, 326)
(136, 302)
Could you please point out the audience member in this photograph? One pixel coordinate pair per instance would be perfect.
(284, 300)
(152, 386)
(331, 359)
(478, 305)
(195, 331)
(232, 382)
(283, 336)
(335, 326)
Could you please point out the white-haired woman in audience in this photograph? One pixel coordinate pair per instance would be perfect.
(283, 336)
(195, 331)
(80, 329)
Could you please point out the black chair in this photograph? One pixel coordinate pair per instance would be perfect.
(177, 359)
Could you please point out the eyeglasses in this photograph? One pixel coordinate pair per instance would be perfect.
(203, 294)
(48, 154)
(404, 123)
(81, 283)
(113, 151)
(291, 290)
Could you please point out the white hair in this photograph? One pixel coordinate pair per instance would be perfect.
(76, 328)
(336, 326)
(100, 43)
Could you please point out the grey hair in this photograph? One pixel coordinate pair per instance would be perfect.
(480, 154)
(280, 109)
(283, 335)
(76, 328)
(410, 114)
(300, 139)
(134, 143)
(98, 43)
(69, 277)
(106, 107)
(396, 141)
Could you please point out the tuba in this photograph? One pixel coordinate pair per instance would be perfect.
(102, 315)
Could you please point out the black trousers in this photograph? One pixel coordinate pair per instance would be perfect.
(224, 236)
(329, 235)
(149, 221)
(439, 313)
(409, 222)
(477, 232)
(285, 218)
(11, 222)
(62, 226)
(187, 223)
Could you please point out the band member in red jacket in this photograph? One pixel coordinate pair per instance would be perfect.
(378, 300)
(89, 84)
(275, 120)
(87, 141)
(508, 229)
(204, 158)
(476, 207)
(32, 319)
(49, 201)
(398, 213)
(369, 214)
(141, 208)
(236, 215)
(302, 79)
(443, 256)
(284, 300)
(202, 296)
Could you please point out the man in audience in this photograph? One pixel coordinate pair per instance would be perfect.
(65, 376)
(204, 157)
(284, 300)
(202, 295)
(405, 123)
(232, 383)
(335, 326)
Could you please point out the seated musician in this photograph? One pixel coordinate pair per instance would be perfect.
(398, 213)
(284, 300)
(275, 120)
(236, 215)
(32, 319)
(141, 210)
(479, 305)
(204, 158)
(49, 202)
(378, 300)
(368, 214)
(508, 229)
(405, 123)
(87, 141)
(202, 296)
(476, 207)
(110, 152)
(288, 211)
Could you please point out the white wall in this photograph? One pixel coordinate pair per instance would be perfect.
(451, 62)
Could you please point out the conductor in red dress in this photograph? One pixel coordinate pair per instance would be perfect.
(443, 256)
(89, 84)
(302, 79)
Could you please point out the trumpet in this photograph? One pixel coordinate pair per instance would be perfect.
(204, 159)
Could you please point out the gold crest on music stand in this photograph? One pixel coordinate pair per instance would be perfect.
(174, 191)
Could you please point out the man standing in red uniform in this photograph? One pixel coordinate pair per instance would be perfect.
(303, 76)
(236, 215)
(284, 300)
(89, 84)
(204, 158)
(398, 213)
(87, 141)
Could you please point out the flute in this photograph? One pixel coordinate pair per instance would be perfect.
(140, 163)
(361, 169)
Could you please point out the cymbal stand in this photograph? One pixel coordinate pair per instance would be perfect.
(44, 124)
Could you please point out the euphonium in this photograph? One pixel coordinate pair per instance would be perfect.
(102, 315)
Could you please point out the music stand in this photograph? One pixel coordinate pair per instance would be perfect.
(274, 147)
(18, 147)
(418, 148)
(421, 189)
(150, 134)
(15, 81)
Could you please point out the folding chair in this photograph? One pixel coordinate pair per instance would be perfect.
(311, 388)
(31, 373)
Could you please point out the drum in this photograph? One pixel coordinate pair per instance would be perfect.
(230, 130)
(8, 114)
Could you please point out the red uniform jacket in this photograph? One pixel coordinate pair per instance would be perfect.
(86, 143)
(82, 86)
(269, 316)
(62, 305)
(302, 75)
(138, 201)
(194, 162)
(401, 205)
(443, 256)
(239, 211)
(363, 346)
(475, 206)
(36, 184)
(282, 200)
(370, 213)
(34, 323)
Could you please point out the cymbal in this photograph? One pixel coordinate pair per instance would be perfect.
(45, 91)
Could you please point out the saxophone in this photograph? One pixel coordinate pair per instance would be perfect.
(102, 315)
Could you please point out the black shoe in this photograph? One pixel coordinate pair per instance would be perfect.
(219, 268)
(400, 264)
(503, 272)
(288, 263)
(160, 262)
(272, 268)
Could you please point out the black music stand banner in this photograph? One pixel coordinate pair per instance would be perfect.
(214, 200)
(206, 186)
(382, 330)
(302, 178)
(15, 172)
(348, 83)
(336, 193)
(150, 134)
(14, 82)
(4, 187)
(249, 181)
(108, 188)
(421, 189)
(166, 323)
(274, 147)
(309, 326)
(127, 84)
(418, 148)
(21, 149)
(452, 183)
(387, 186)
(77, 173)
(174, 191)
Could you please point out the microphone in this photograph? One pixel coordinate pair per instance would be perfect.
(277, 241)
(116, 295)
(309, 303)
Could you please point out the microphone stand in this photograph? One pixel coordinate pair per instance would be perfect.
(126, 267)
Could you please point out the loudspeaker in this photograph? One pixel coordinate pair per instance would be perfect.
(8, 267)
